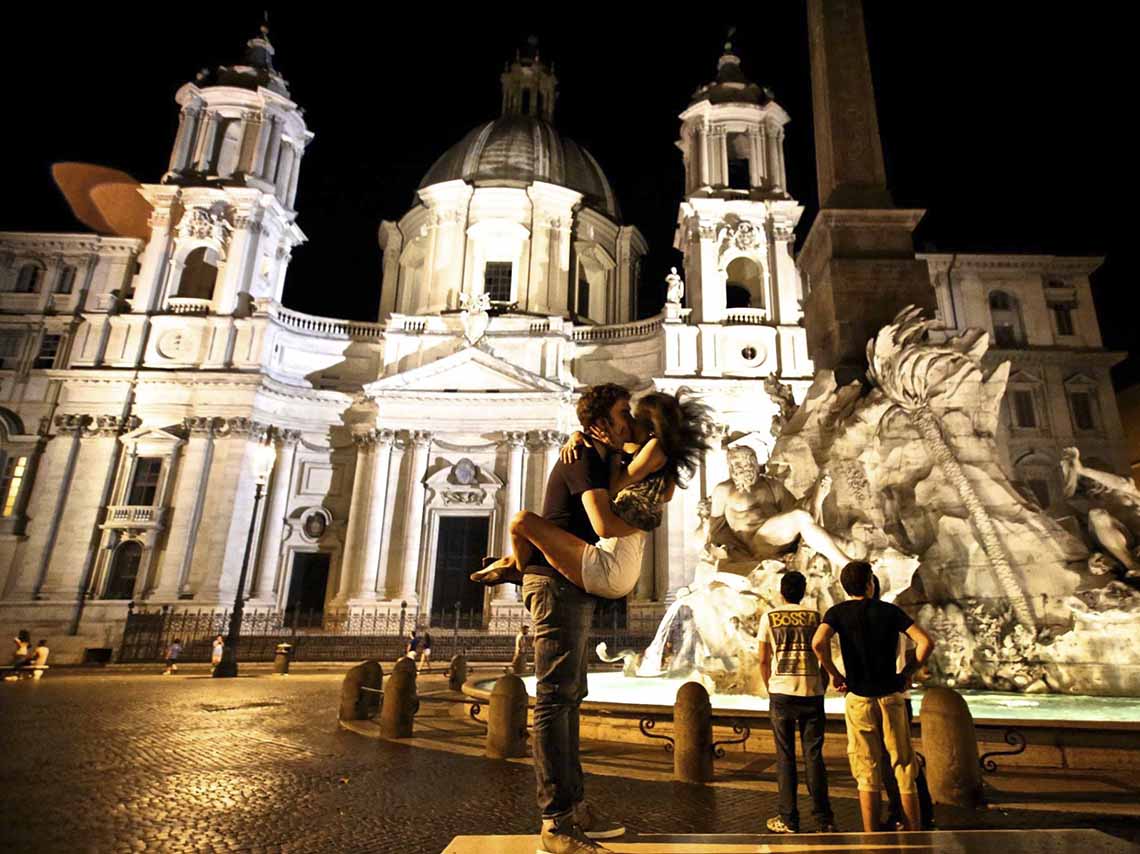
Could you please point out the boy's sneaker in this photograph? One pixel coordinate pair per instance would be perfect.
(596, 825)
(566, 837)
(776, 825)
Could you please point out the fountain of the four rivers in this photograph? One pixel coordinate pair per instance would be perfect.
(893, 450)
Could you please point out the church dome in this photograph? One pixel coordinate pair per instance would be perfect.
(523, 148)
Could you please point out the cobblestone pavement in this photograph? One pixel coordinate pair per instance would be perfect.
(127, 760)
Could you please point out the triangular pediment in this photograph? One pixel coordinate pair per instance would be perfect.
(151, 437)
(471, 370)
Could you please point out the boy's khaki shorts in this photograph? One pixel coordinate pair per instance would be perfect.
(871, 723)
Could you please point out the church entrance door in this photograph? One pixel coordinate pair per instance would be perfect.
(308, 583)
(461, 544)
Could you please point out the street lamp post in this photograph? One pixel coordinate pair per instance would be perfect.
(263, 459)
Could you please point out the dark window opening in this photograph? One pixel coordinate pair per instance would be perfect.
(144, 481)
(1024, 413)
(737, 296)
(1005, 335)
(66, 282)
(497, 281)
(28, 280)
(49, 348)
(526, 101)
(583, 296)
(1040, 489)
(1064, 318)
(1082, 410)
(198, 276)
(739, 177)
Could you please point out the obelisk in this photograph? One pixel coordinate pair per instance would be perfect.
(858, 263)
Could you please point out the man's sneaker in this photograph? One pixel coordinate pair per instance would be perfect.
(827, 827)
(777, 825)
(596, 825)
(567, 838)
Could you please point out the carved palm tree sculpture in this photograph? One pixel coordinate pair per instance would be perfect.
(916, 376)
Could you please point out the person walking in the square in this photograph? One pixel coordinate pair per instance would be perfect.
(522, 650)
(875, 710)
(425, 652)
(216, 652)
(172, 653)
(796, 685)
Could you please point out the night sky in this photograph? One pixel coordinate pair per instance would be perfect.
(1007, 127)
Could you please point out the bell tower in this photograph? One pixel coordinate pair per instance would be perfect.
(529, 86)
(224, 221)
(734, 229)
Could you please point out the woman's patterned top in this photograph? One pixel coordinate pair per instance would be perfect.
(641, 504)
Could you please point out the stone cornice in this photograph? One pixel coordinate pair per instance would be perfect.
(1061, 265)
(50, 242)
(1042, 356)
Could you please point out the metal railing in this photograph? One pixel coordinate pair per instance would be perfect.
(346, 635)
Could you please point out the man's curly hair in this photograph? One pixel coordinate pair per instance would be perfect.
(596, 402)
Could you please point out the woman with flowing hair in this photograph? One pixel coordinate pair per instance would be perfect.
(669, 436)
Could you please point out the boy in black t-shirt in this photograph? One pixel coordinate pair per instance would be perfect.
(875, 710)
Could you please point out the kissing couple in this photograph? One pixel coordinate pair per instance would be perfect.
(607, 491)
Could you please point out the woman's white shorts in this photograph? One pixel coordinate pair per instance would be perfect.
(611, 567)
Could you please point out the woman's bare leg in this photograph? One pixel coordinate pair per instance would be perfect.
(561, 548)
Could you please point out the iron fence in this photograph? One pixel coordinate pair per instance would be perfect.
(352, 635)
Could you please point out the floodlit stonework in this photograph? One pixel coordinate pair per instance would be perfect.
(137, 376)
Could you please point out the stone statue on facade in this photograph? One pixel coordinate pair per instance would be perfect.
(1114, 520)
(675, 287)
(475, 316)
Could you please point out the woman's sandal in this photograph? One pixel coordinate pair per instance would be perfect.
(499, 575)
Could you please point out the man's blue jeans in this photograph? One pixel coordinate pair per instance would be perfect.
(789, 714)
(561, 614)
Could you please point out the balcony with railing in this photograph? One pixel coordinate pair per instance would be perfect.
(188, 305)
(134, 516)
(746, 317)
(325, 327)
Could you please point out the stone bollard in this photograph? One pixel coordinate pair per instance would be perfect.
(951, 748)
(457, 672)
(692, 734)
(357, 704)
(506, 719)
(281, 656)
(405, 665)
(398, 713)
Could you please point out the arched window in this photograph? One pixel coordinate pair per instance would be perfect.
(65, 284)
(738, 150)
(1005, 315)
(738, 297)
(744, 275)
(29, 278)
(124, 571)
(198, 276)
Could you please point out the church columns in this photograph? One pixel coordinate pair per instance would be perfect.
(782, 178)
(235, 274)
(414, 516)
(250, 141)
(265, 126)
(756, 156)
(367, 587)
(269, 567)
(357, 517)
(188, 497)
(704, 145)
(273, 148)
(183, 143)
(516, 446)
(206, 143)
(59, 474)
(293, 178)
(391, 576)
(772, 134)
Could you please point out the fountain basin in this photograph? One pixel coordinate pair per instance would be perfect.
(1058, 730)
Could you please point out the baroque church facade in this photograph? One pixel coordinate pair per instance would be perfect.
(140, 376)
